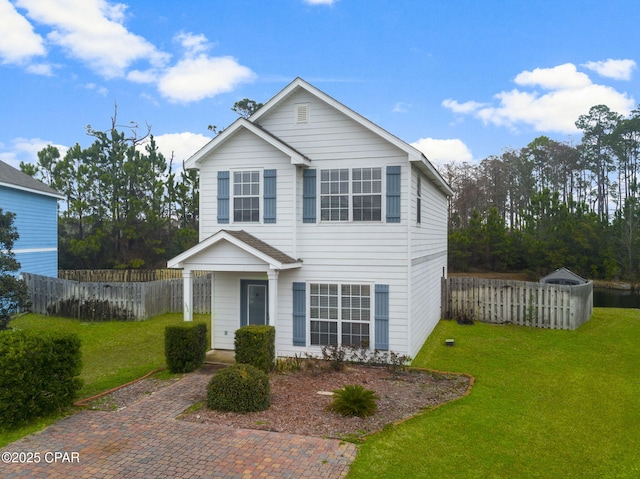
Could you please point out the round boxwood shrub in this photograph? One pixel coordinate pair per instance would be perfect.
(239, 388)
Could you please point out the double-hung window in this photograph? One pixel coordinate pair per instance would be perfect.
(334, 195)
(367, 194)
(340, 314)
(354, 194)
(246, 196)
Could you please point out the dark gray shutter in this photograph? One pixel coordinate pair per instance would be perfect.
(270, 196)
(393, 194)
(223, 197)
(299, 314)
(309, 196)
(382, 317)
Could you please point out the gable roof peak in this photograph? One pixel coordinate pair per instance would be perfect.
(297, 158)
(415, 156)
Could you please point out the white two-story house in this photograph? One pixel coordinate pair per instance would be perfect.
(319, 222)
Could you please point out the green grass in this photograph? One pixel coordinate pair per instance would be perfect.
(546, 404)
(113, 353)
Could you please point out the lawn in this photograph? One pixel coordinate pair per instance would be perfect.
(545, 404)
(113, 353)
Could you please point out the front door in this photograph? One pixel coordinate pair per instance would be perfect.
(254, 302)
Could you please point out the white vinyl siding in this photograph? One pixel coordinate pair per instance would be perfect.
(428, 250)
(408, 256)
(248, 152)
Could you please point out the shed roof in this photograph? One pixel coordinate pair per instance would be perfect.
(563, 273)
(13, 178)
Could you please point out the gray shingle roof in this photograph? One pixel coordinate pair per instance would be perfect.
(263, 247)
(12, 177)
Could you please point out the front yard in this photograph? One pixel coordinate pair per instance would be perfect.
(545, 404)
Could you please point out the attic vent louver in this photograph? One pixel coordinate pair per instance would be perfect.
(302, 113)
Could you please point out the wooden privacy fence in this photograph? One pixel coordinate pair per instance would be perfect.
(104, 301)
(120, 275)
(527, 304)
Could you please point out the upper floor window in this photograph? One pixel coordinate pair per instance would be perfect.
(246, 196)
(351, 194)
(367, 194)
(334, 195)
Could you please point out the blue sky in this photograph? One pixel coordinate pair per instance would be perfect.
(461, 80)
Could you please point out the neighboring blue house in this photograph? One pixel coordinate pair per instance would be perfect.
(36, 208)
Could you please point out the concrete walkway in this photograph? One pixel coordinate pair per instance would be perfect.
(145, 441)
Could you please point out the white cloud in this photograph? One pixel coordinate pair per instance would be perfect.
(569, 94)
(92, 31)
(194, 79)
(465, 108)
(180, 145)
(197, 75)
(401, 107)
(443, 151)
(44, 69)
(562, 77)
(18, 42)
(26, 149)
(102, 91)
(193, 44)
(616, 69)
(320, 2)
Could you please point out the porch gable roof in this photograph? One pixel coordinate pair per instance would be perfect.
(275, 258)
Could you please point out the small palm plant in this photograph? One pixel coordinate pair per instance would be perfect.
(354, 400)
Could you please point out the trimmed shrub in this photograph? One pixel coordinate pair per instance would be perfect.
(185, 347)
(256, 345)
(354, 400)
(239, 388)
(38, 374)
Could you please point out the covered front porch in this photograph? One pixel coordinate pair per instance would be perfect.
(245, 282)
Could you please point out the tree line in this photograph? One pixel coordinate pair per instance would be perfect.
(125, 205)
(538, 208)
(553, 204)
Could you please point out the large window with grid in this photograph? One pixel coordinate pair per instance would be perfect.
(354, 194)
(340, 314)
(246, 196)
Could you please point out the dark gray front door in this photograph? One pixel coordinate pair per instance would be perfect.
(254, 302)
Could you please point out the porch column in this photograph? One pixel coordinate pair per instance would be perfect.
(187, 292)
(213, 307)
(272, 274)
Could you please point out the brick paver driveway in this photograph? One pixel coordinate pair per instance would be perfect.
(145, 441)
